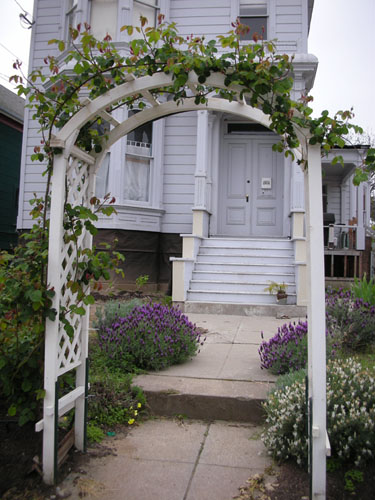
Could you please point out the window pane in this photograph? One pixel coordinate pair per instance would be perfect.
(256, 25)
(253, 9)
(142, 134)
(146, 9)
(70, 18)
(101, 188)
(103, 18)
(137, 178)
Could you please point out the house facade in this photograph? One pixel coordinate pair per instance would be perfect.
(203, 192)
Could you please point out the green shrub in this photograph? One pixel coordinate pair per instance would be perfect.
(112, 310)
(351, 321)
(24, 305)
(364, 289)
(290, 378)
(350, 416)
(151, 337)
(112, 399)
(94, 433)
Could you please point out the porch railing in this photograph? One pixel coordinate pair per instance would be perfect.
(340, 236)
(342, 259)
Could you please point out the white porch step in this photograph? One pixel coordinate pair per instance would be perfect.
(244, 268)
(235, 286)
(228, 297)
(243, 258)
(237, 270)
(255, 277)
(249, 252)
(226, 242)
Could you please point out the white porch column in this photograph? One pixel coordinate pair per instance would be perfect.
(360, 234)
(316, 319)
(343, 202)
(201, 194)
(352, 198)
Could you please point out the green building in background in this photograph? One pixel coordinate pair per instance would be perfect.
(11, 127)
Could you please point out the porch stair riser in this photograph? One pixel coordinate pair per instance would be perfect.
(236, 271)
(244, 258)
(236, 286)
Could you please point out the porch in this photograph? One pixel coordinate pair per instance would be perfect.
(346, 215)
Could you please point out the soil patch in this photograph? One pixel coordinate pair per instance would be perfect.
(290, 482)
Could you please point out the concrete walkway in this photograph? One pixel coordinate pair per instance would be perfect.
(183, 459)
(224, 380)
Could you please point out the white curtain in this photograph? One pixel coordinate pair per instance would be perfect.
(137, 178)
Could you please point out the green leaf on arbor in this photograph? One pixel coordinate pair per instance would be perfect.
(26, 385)
(40, 394)
(359, 176)
(78, 68)
(89, 299)
(36, 296)
(12, 410)
(338, 159)
(81, 311)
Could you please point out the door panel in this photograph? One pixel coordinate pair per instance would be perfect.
(250, 188)
(268, 189)
(234, 214)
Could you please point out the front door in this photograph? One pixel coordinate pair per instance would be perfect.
(250, 188)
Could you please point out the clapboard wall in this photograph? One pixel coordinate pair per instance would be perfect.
(288, 21)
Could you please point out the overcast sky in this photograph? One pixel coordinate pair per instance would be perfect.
(342, 36)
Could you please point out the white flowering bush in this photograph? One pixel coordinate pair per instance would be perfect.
(350, 416)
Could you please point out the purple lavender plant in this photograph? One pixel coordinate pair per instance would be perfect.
(287, 350)
(151, 337)
(350, 325)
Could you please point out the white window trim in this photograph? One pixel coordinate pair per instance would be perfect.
(271, 16)
(117, 169)
(124, 16)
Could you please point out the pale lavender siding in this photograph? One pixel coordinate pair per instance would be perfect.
(290, 28)
(48, 25)
(334, 201)
(210, 17)
(179, 165)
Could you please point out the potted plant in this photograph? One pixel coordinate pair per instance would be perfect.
(279, 289)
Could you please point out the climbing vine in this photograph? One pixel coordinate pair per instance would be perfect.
(91, 67)
(88, 68)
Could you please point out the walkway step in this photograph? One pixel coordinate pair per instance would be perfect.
(205, 399)
(274, 310)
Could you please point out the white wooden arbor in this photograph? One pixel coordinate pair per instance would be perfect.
(76, 170)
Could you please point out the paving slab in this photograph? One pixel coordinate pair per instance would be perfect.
(242, 363)
(152, 441)
(234, 445)
(214, 482)
(207, 364)
(172, 460)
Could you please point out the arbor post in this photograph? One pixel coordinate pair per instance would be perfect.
(52, 327)
(316, 321)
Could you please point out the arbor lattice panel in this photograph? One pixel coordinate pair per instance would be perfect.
(77, 193)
